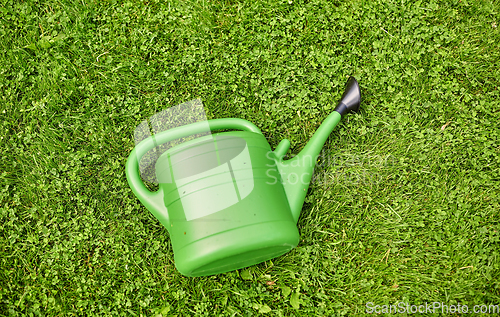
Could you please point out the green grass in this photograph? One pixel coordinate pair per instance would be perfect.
(407, 211)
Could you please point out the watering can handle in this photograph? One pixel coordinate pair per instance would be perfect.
(153, 201)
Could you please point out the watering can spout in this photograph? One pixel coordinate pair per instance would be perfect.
(296, 173)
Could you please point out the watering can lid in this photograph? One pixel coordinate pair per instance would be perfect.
(198, 156)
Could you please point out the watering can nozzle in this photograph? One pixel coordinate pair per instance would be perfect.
(350, 99)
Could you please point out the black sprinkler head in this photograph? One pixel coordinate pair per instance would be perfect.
(350, 99)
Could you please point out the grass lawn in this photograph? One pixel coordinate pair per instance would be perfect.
(404, 207)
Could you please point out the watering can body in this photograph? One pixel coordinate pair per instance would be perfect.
(228, 200)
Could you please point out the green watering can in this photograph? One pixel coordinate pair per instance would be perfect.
(228, 200)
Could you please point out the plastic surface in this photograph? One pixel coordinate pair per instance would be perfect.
(227, 200)
(351, 99)
(153, 201)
